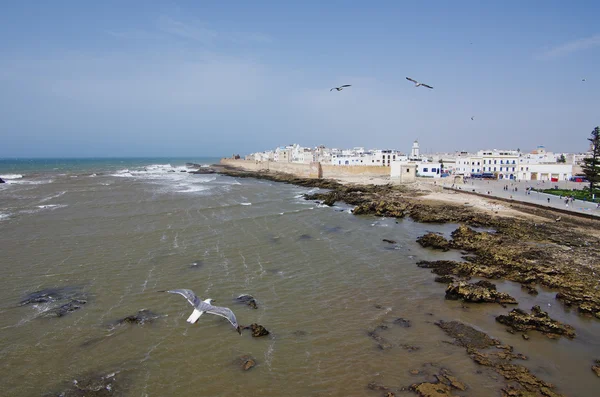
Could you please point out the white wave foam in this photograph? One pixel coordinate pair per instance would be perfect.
(52, 206)
(11, 176)
(52, 196)
(4, 215)
(174, 179)
(246, 203)
(28, 182)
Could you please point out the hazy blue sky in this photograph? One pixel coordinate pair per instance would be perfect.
(114, 78)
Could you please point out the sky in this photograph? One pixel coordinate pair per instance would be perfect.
(214, 78)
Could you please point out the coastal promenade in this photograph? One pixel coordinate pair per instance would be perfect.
(495, 189)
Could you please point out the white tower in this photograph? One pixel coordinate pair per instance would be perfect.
(414, 153)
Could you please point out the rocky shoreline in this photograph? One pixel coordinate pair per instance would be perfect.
(531, 248)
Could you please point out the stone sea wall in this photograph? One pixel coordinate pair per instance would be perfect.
(312, 170)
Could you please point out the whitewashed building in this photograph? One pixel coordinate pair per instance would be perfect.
(429, 170)
(403, 171)
(283, 154)
(502, 163)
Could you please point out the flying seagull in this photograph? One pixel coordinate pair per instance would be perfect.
(582, 79)
(340, 87)
(201, 307)
(472, 117)
(417, 84)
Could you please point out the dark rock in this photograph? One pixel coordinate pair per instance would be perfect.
(203, 170)
(525, 336)
(539, 320)
(93, 385)
(304, 237)
(482, 291)
(334, 229)
(530, 289)
(382, 343)
(51, 295)
(466, 336)
(596, 367)
(410, 348)
(65, 309)
(248, 300)
(246, 362)
(141, 317)
(377, 387)
(389, 241)
(444, 279)
(434, 240)
(257, 330)
(402, 322)
(2, 180)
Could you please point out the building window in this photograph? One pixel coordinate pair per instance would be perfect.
(495, 162)
(408, 170)
(513, 169)
(425, 169)
(494, 168)
(513, 161)
(521, 168)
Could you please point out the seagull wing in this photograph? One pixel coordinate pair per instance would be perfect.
(428, 86)
(347, 85)
(224, 312)
(187, 294)
(334, 88)
(414, 81)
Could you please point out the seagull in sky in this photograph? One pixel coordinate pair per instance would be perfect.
(417, 84)
(340, 87)
(582, 79)
(201, 307)
(472, 117)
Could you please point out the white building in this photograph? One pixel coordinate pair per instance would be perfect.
(545, 172)
(429, 170)
(385, 157)
(414, 151)
(501, 163)
(403, 171)
(283, 154)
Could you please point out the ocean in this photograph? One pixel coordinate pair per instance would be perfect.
(103, 237)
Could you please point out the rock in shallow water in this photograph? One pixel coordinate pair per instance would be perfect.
(402, 322)
(479, 292)
(248, 300)
(58, 301)
(93, 385)
(141, 317)
(596, 367)
(246, 362)
(539, 320)
(434, 240)
(466, 336)
(257, 330)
